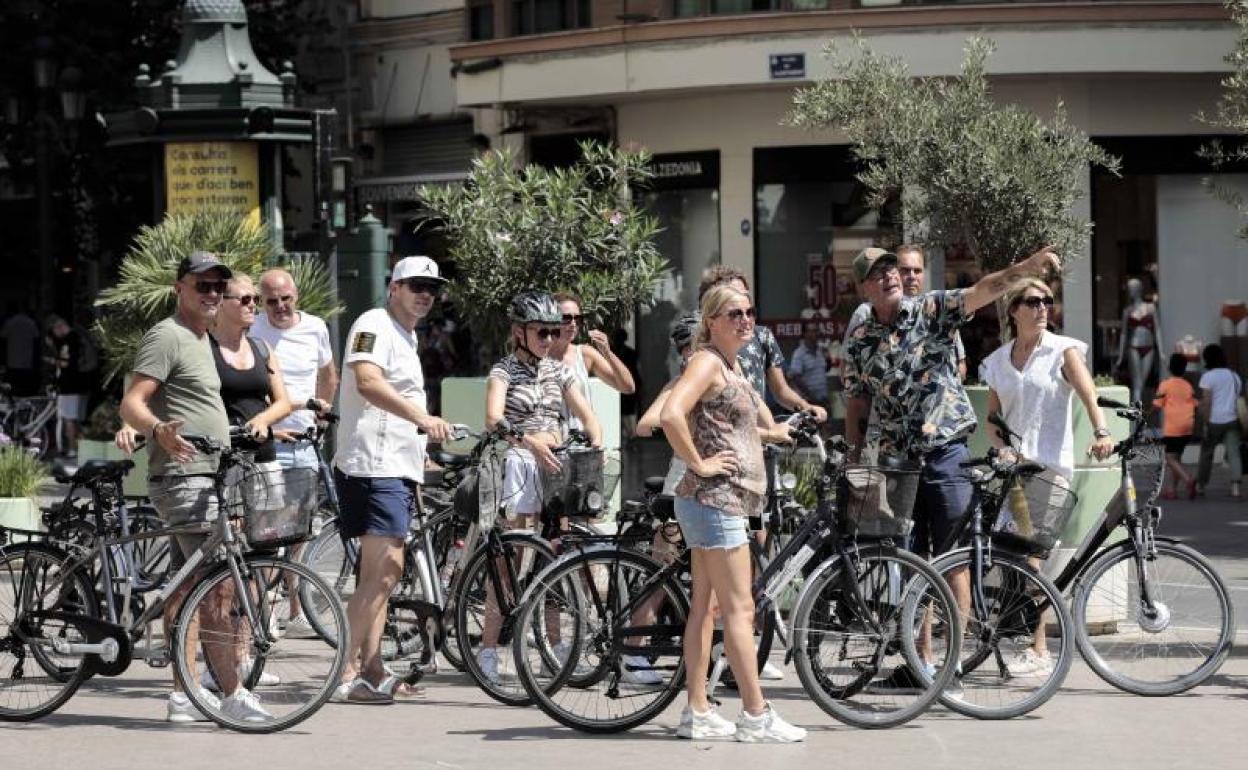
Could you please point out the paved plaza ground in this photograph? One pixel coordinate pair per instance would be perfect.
(120, 722)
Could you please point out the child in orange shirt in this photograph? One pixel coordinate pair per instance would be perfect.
(1177, 401)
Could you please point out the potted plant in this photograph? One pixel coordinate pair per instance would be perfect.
(973, 174)
(21, 477)
(512, 228)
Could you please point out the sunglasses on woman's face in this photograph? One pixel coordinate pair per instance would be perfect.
(548, 334)
(1035, 302)
(569, 318)
(736, 315)
(245, 300)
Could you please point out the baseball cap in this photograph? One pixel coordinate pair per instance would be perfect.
(416, 267)
(202, 261)
(870, 258)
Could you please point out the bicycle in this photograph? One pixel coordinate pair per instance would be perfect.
(49, 613)
(1171, 623)
(31, 421)
(855, 621)
(1012, 662)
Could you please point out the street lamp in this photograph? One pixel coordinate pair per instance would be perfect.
(73, 98)
(44, 63)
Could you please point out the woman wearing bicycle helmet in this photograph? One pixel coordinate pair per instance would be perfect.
(530, 391)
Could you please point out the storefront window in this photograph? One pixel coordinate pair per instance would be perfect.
(811, 218)
(685, 199)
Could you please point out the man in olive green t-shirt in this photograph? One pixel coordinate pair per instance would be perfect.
(176, 390)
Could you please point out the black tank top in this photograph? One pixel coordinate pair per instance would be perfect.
(246, 392)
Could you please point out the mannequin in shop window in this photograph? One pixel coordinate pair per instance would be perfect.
(1141, 338)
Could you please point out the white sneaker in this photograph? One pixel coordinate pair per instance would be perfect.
(635, 669)
(704, 727)
(300, 628)
(267, 678)
(767, 727)
(1029, 662)
(771, 672)
(244, 706)
(487, 661)
(180, 709)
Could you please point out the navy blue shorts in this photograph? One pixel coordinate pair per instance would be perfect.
(373, 506)
(944, 494)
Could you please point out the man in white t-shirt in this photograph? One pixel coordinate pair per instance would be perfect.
(1219, 389)
(301, 342)
(380, 462)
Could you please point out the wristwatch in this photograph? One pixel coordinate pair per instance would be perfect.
(1101, 433)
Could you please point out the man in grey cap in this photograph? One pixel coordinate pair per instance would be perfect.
(176, 390)
(901, 362)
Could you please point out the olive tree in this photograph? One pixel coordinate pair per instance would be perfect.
(1231, 116)
(971, 173)
(576, 229)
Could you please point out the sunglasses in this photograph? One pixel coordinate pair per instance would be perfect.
(569, 318)
(548, 334)
(1035, 302)
(285, 299)
(418, 286)
(737, 314)
(246, 300)
(209, 287)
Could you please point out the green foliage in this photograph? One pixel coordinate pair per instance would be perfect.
(103, 422)
(1231, 115)
(807, 470)
(993, 178)
(143, 295)
(575, 229)
(21, 474)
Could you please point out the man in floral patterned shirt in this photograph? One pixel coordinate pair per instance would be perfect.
(902, 362)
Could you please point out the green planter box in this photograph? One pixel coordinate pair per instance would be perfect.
(20, 513)
(136, 480)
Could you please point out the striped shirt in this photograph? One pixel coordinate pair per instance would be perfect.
(534, 394)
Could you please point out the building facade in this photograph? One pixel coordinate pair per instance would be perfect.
(705, 84)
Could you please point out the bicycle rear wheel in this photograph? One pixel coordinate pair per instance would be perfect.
(335, 563)
(858, 637)
(1164, 647)
(34, 679)
(306, 670)
(1017, 650)
(623, 630)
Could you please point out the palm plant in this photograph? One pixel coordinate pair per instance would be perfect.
(143, 295)
(21, 473)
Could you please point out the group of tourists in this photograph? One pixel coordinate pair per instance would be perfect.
(219, 362)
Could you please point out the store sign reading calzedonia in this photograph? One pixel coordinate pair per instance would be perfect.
(213, 176)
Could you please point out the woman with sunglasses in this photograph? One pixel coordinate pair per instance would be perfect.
(531, 391)
(584, 361)
(1031, 380)
(716, 423)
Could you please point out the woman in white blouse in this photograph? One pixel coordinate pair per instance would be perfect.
(1031, 380)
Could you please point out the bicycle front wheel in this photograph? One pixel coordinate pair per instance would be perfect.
(1016, 645)
(284, 681)
(1159, 626)
(599, 641)
(34, 679)
(875, 636)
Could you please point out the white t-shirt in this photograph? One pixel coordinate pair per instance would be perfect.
(1036, 402)
(371, 441)
(302, 351)
(1223, 386)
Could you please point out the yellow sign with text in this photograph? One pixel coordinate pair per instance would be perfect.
(213, 176)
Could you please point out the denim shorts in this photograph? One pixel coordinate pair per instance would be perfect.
(705, 527)
(373, 506)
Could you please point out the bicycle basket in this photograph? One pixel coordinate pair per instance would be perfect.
(578, 488)
(1146, 463)
(877, 501)
(1034, 513)
(277, 504)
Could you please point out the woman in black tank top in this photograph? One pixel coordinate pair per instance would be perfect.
(251, 377)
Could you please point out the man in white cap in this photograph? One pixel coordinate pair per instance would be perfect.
(380, 462)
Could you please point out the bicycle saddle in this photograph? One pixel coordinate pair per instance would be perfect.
(89, 471)
(654, 484)
(448, 459)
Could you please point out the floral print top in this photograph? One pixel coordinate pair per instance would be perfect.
(728, 420)
(760, 354)
(909, 371)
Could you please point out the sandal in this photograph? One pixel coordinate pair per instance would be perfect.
(361, 693)
(397, 689)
